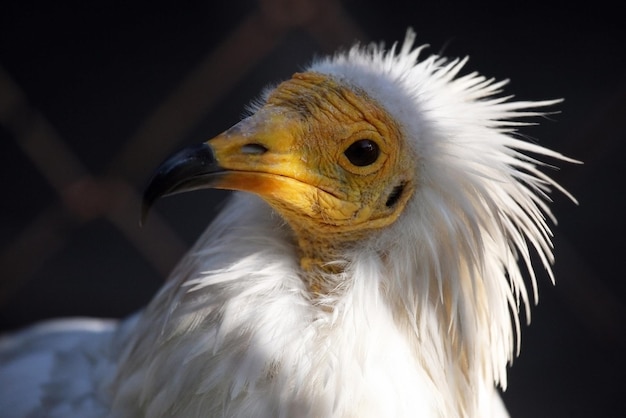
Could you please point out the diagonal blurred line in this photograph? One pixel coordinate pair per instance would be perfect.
(195, 96)
(118, 203)
(36, 137)
(86, 198)
(35, 244)
(220, 71)
(83, 197)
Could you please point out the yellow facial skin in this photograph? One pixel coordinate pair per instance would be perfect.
(292, 153)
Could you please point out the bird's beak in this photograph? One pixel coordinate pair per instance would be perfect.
(190, 168)
(260, 155)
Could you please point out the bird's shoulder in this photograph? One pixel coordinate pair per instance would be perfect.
(59, 367)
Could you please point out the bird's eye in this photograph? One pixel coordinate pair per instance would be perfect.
(362, 152)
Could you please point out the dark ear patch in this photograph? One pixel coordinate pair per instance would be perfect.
(395, 194)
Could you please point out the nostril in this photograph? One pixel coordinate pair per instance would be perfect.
(253, 149)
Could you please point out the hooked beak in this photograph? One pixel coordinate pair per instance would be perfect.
(233, 160)
(194, 167)
(259, 155)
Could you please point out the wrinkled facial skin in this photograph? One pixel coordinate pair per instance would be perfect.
(323, 154)
(326, 157)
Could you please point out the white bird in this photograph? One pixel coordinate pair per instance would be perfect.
(371, 269)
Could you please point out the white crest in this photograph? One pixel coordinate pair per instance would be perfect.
(481, 205)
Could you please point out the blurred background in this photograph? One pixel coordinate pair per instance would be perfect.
(93, 95)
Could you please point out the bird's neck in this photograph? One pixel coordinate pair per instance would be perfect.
(323, 257)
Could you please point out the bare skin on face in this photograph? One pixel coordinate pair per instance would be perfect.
(329, 159)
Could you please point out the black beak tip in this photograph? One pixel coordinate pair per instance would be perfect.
(153, 192)
(181, 172)
(149, 197)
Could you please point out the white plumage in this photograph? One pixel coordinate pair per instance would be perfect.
(424, 319)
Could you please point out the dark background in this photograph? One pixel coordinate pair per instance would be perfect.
(93, 95)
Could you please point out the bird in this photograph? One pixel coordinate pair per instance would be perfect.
(376, 258)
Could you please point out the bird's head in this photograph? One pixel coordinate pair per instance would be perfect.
(326, 156)
(345, 149)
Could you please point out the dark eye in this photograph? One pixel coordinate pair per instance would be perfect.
(362, 152)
